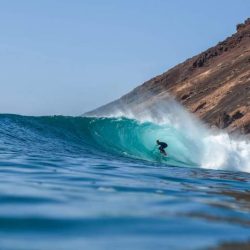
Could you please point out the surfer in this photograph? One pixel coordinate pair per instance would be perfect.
(162, 147)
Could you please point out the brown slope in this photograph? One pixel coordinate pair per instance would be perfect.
(215, 85)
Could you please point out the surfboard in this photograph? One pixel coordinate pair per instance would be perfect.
(165, 154)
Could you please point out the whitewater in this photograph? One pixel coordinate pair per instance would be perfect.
(101, 183)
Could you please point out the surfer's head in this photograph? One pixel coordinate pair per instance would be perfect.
(157, 141)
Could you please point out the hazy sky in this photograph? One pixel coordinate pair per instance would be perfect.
(67, 57)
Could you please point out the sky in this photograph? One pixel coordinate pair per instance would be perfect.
(69, 57)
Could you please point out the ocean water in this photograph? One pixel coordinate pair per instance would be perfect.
(100, 183)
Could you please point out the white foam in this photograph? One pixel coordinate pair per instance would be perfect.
(207, 148)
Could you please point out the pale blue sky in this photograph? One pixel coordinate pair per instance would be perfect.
(67, 57)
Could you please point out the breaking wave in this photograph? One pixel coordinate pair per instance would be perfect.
(190, 143)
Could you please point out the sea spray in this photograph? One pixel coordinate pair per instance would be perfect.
(191, 142)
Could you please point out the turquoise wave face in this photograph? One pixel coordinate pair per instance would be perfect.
(117, 136)
(138, 139)
(124, 137)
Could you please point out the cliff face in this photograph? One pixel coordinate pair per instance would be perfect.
(214, 85)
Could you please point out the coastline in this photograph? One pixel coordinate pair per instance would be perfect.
(214, 85)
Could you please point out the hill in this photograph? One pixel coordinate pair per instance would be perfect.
(214, 85)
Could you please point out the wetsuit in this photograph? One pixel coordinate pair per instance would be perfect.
(163, 145)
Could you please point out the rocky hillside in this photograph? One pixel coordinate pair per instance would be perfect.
(214, 85)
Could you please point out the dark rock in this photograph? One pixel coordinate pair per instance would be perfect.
(223, 120)
(246, 129)
(242, 26)
(237, 115)
(202, 105)
(184, 97)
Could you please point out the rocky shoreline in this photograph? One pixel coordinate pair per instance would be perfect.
(214, 85)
